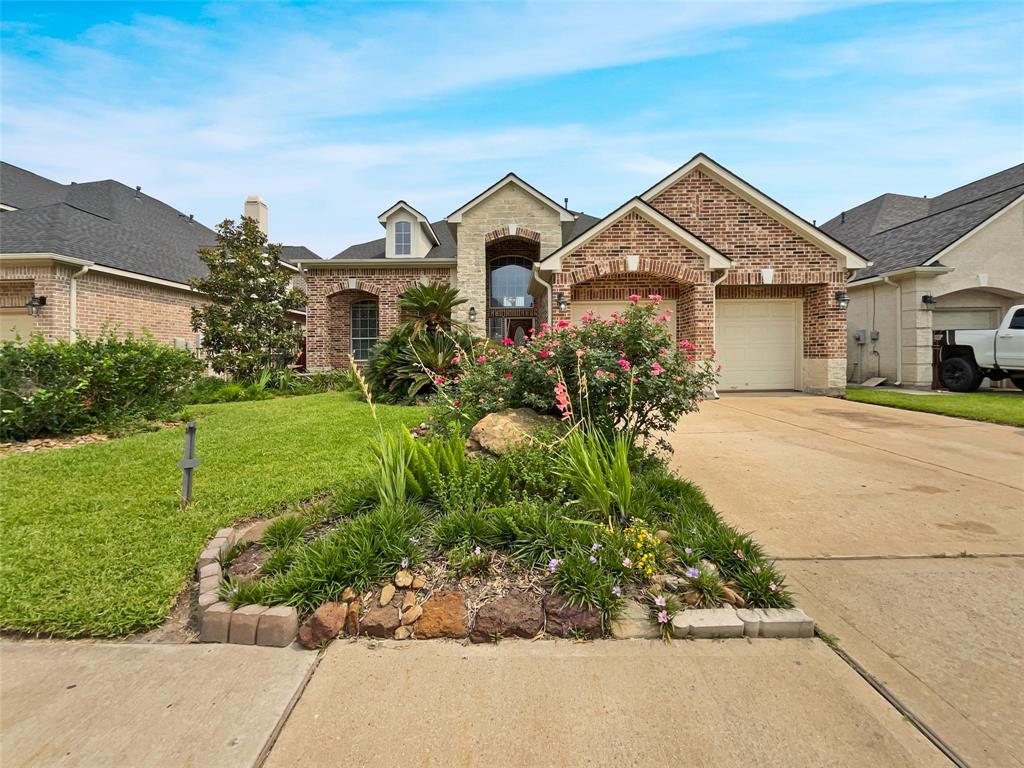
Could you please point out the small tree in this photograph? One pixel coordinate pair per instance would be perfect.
(245, 328)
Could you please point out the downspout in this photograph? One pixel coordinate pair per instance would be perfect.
(714, 317)
(73, 302)
(536, 275)
(899, 330)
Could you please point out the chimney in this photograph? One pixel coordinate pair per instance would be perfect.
(256, 209)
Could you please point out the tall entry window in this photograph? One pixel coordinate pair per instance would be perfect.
(403, 238)
(364, 327)
(510, 282)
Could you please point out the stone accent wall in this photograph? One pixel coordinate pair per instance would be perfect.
(491, 218)
(331, 291)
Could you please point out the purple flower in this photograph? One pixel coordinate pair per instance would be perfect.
(738, 553)
(659, 601)
(692, 573)
(756, 569)
(688, 550)
(405, 562)
(663, 617)
(593, 559)
(553, 565)
(627, 563)
(476, 550)
(773, 586)
(617, 590)
(595, 547)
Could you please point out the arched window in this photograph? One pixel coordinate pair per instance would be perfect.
(364, 327)
(403, 238)
(510, 281)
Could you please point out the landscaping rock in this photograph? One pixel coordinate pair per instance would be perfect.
(403, 633)
(211, 569)
(443, 615)
(325, 623)
(207, 556)
(564, 620)
(499, 432)
(352, 618)
(707, 623)
(215, 623)
(278, 627)
(408, 601)
(348, 595)
(663, 535)
(379, 621)
(411, 615)
(634, 622)
(387, 593)
(206, 600)
(732, 598)
(419, 582)
(244, 622)
(209, 584)
(669, 581)
(227, 534)
(403, 579)
(517, 614)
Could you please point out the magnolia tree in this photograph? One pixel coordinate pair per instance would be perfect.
(245, 327)
(620, 374)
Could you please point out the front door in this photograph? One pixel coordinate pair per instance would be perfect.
(519, 329)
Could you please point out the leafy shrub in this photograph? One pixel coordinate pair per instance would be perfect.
(531, 470)
(482, 482)
(431, 461)
(108, 383)
(535, 533)
(623, 374)
(706, 585)
(284, 532)
(464, 527)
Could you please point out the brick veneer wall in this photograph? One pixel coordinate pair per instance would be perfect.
(330, 298)
(106, 302)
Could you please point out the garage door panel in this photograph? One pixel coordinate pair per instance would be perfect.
(757, 344)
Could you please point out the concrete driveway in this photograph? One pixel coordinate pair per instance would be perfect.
(857, 501)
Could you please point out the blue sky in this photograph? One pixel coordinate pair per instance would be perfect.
(333, 111)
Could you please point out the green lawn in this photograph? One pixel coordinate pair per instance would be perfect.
(1001, 408)
(92, 540)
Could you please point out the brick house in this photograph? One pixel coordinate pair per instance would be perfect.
(746, 278)
(78, 258)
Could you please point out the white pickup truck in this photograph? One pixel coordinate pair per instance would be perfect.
(968, 357)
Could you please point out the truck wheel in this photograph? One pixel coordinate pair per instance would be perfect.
(1018, 381)
(960, 374)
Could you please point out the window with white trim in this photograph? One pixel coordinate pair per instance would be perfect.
(364, 327)
(403, 238)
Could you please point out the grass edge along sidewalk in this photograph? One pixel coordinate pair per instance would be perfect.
(994, 407)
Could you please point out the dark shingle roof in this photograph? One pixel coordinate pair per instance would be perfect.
(447, 249)
(898, 231)
(23, 189)
(294, 253)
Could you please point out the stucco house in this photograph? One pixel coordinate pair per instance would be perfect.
(745, 277)
(77, 258)
(946, 262)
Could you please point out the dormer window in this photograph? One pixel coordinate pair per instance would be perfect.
(403, 238)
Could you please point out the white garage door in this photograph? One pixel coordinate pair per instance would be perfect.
(603, 310)
(757, 344)
(965, 319)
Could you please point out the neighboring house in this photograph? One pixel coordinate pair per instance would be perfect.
(947, 262)
(743, 276)
(78, 258)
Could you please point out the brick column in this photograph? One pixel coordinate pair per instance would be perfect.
(824, 330)
(695, 318)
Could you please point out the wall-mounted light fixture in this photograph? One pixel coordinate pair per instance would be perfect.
(928, 300)
(33, 304)
(842, 299)
(472, 314)
(563, 302)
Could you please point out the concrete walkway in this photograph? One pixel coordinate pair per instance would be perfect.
(87, 704)
(818, 478)
(607, 703)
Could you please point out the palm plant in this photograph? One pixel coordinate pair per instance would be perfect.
(428, 309)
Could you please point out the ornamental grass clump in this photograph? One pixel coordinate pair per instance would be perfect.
(705, 588)
(764, 587)
(284, 532)
(662, 607)
(578, 577)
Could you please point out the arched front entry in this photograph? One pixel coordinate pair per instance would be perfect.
(354, 324)
(513, 296)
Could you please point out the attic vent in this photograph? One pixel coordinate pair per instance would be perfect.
(566, 206)
(842, 217)
(138, 193)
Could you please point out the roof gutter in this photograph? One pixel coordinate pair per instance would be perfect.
(547, 285)
(73, 302)
(899, 329)
(884, 277)
(379, 263)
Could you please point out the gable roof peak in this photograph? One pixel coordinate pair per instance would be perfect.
(564, 214)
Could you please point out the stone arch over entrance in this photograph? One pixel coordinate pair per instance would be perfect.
(514, 298)
(512, 230)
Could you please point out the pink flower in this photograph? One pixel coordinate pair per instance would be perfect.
(634, 298)
(599, 373)
(481, 359)
(773, 586)
(508, 375)
(579, 353)
(663, 318)
(456, 404)
(624, 364)
(627, 563)
(562, 401)
(563, 323)
(456, 360)
(439, 379)
(545, 353)
(659, 601)
(656, 369)
(655, 297)
(685, 344)
(663, 617)
(756, 569)
(507, 341)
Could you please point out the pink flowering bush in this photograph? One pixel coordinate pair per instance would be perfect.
(620, 374)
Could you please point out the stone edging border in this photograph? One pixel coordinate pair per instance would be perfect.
(279, 626)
